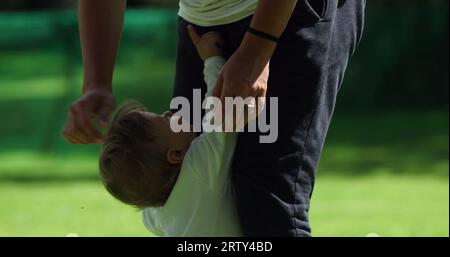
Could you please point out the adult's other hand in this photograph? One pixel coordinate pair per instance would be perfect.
(93, 105)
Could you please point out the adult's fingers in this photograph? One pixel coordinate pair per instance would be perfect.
(68, 137)
(104, 112)
(74, 139)
(223, 92)
(78, 131)
(70, 132)
(217, 90)
(193, 34)
(228, 112)
(85, 131)
(261, 91)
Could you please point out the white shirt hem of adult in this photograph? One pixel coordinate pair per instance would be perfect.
(219, 16)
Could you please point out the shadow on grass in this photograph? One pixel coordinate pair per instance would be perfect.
(397, 143)
(23, 178)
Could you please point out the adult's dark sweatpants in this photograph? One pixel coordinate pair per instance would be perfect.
(273, 183)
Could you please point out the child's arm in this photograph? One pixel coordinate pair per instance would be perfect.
(211, 71)
(210, 155)
(209, 49)
(245, 110)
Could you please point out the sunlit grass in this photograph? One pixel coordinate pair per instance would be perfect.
(57, 194)
(389, 205)
(56, 209)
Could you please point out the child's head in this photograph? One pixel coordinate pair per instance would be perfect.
(141, 156)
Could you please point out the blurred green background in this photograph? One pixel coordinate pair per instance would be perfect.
(384, 169)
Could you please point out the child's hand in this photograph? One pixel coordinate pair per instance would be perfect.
(207, 45)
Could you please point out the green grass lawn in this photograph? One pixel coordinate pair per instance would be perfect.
(377, 177)
(384, 173)
(389, 205)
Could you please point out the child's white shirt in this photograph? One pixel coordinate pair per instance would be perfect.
(201, 202)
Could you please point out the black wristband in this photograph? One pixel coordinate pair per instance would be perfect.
(263, 35)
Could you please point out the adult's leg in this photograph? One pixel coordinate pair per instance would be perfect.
(189, 65)
(273, 183)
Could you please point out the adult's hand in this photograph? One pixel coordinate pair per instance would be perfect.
(246, 73)
(243, 75)
(94, 105)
